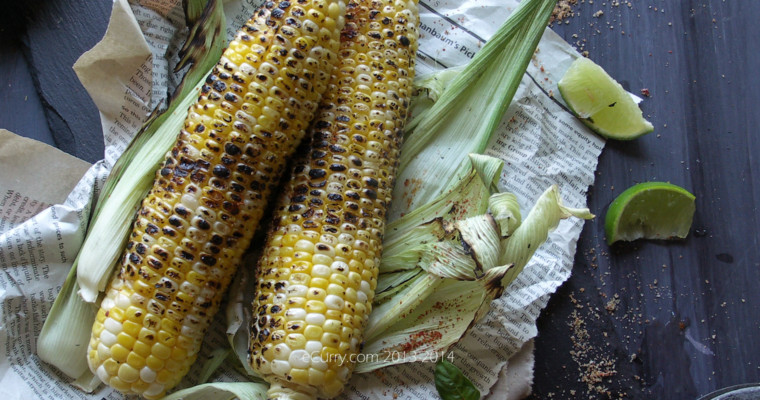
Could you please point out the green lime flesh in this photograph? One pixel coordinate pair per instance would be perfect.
(602, 103)
(650, 210)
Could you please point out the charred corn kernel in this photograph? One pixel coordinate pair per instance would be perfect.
(323, 252)
(210, 192)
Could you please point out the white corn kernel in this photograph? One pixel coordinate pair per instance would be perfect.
(221, 228)
(103, 374)
(147, 375)
(112, 325)
(190, 201)
(297, 290)
(265, 367)
(320, 271)
(343, 373)
(107, 338)
(122, 301)
(189, 288)
(153, 390)
(345, 238)
(321, 259)
(315, 319)
(296, 314)
(280, 367)
(340, 267)
(299, 359)
(318, 363)
(280, 298)
(103, 351)
(137, 299)
(334, 302)
(107, 303)
(365, 288)
(281, 351)
(304, 245)
(313, 347)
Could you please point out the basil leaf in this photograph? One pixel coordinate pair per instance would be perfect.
(452, 384)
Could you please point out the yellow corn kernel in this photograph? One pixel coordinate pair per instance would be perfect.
(119, 353)
(315, 306)
(111, 366)
(131, 328)
(300, 376)
(295, 340)
(141, 349)
(313, 332)
(125, 340)
(161, 351)
(166, 338)
(164, 376)
(135, 360)
(116, 314)
(118, 384)
(316, 377)
(154, 363)
(139, 386)
(97, 328)
(128, 374)
(179, 353)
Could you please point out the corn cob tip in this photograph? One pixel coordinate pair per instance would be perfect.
(281, 390)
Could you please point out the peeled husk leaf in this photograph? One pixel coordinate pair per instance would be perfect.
(133, 174)
(459, 268)
(66, 332)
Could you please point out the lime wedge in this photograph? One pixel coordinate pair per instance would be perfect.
(601, 103)
(650, 210)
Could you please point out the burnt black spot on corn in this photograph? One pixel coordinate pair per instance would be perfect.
(320, 263)
(191, 234)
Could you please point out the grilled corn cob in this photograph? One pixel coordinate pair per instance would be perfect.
(316, 279)
(210, 192)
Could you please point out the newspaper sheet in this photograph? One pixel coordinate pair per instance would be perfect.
(129, 73)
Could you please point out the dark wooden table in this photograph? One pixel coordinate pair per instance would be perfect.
(638, 320)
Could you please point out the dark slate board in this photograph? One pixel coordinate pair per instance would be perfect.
(664, 320)
(57, 33)
(687, 318)
(22, 110)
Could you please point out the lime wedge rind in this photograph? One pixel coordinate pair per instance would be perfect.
(650, 210)
(601, 102)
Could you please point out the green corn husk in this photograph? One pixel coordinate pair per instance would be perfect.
(457, 269)
(222, 391)
(469, 109)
